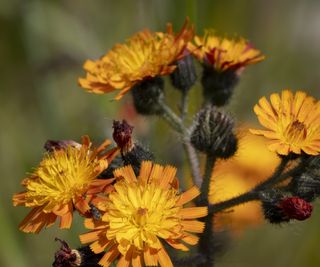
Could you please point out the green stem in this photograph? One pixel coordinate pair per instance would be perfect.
(184, 105)
(176, 123)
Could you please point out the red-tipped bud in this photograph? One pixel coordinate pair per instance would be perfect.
(296, 208)
(65, 256)
(122, 132)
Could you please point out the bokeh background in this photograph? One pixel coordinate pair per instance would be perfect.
(43, 45)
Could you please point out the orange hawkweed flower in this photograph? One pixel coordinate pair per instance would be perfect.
(64, 181)
(141, 212)
(224, 53)
(292, 122)
(143, 56)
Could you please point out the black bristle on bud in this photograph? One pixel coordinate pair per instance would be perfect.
(306, 184)
(270, 205)
(115, 164)
(82, 257)
(212, 133)
(146, 96)
(218, 87)
(135, 156)
(184, 76)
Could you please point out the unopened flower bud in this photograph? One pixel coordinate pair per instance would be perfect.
(122, 132)
(65, 256)
(83, 257)
(218, 86)
(270, 205)
(135, 156)
(52, 145)
(296, 208)
(306, 184)
(184, 75)
(212, 133)
(146, 96)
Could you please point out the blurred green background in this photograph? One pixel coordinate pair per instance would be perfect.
(43, 45)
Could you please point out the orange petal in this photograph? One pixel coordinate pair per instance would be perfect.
(193, 212)
(66, 220)
(164, 258)
(193, 226)
(109, 256)
(187, 196)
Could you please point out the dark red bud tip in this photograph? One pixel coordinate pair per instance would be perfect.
(65, 256)
(122, 132)
(296, 208)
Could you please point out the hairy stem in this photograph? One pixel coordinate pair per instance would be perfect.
(177, 124)
(206, 242)
(184, 105)
(254, 194)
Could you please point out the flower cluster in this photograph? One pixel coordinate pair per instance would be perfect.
(136, 211)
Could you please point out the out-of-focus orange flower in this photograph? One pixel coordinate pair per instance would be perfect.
(224, 53)
(252, 164)
(292, 122)
(145, 55)
(64, 181)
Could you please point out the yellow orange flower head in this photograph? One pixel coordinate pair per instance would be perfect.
(140, 213)
(292, 122)
(64, 180)
(224, 53)
(143, 56)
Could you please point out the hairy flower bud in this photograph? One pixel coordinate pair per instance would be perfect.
(218, 86)
(122, 132)
(212, 133)
(296, 208)
(135, 156)
(184, 75)
(82, 257)
(279, 208)
(270, 205)
(146, 96)
(306, 184)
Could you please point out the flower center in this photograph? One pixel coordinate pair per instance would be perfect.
(61, 176)
(296, 132)
(141, 214)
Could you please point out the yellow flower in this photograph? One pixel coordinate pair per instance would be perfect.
(293, 122)
(239, 174)
(224, 53)
(145, 55)
(139, 213)
(65, 180)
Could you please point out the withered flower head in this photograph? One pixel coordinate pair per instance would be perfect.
(122, 132)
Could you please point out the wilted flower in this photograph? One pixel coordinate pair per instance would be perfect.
(64, 181)
(292, 122)
(144, 56)
(139, 213)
